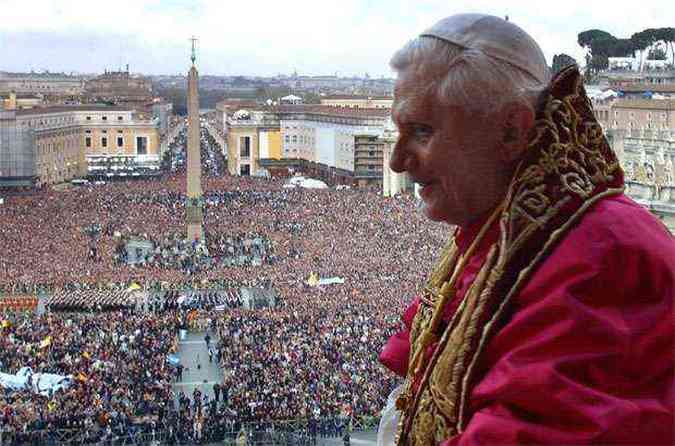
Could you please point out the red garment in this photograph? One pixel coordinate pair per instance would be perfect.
(587, 353)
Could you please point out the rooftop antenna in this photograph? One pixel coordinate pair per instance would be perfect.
(193, 56)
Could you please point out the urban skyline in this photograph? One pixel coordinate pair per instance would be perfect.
(349, 38)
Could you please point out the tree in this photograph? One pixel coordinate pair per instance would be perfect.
(642, 41)
(657, 53)
(623, 48)
(669, 38)
(599, 62)
(666, 36)
(600, 45)
(586, 38)
(561, 61)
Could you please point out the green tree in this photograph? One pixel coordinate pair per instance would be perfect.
(599, 46)
(586, 38)
(642, 41)
(666, 36)
(622, 48)
(657, 53)
(599, 62)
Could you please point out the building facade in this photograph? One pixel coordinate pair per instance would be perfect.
(43, 84)
(368, 160)
(647, 158)
(252, 136)
(631, 75)
(13, 101)
(393, 183)
(358, 101)
(636, 114)
(119, 87)
(320, 136)
(74, 142)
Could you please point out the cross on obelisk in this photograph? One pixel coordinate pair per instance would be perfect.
(193, 207)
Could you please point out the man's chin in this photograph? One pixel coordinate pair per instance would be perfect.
(432, 213)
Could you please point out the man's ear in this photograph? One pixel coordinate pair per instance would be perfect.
(516, 121)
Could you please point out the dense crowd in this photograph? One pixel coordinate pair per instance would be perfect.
(313, 354)
(117, 364)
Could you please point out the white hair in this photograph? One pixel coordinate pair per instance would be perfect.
(467, 78)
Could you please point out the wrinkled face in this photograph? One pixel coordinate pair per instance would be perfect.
(452, 153)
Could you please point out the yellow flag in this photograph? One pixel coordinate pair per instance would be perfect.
(46, 342)
(313, 279)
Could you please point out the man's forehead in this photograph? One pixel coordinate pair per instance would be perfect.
(411, 95)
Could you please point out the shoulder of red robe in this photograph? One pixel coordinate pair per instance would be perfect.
(587, 353)
(396, 351)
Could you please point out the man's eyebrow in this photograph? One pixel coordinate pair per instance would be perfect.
(400, 111)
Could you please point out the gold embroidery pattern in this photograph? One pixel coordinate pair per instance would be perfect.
(568, 168)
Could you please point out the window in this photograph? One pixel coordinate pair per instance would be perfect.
(245, 146)
(105, 118)
(120, 118)
(88, 118)
(141, 145)
(295, 139)
(120, 141)
(287, 138)
(104, 142)
(371, 167)
(119, 131)
(371, 153)
(245, 169)
(104, 131)
(87, 131)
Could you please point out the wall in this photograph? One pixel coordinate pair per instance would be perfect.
(17, 151)
(234, 160)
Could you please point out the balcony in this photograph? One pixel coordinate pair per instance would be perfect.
(368, 174)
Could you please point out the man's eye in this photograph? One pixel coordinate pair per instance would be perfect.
(420, 131)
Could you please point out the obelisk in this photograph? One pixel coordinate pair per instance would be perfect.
(193, 206)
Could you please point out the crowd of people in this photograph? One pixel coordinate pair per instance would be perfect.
(311, 355)
(90, 300)
(175, 251)
(116, 362)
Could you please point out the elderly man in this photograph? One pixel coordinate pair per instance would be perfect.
(549, 316)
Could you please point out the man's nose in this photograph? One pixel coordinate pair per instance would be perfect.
(400, 159)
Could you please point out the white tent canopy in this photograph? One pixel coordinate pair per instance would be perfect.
(608, 94)
(307, 183)
(41, 383)
(291, 97)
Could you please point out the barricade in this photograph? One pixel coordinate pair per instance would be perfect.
(288, 432)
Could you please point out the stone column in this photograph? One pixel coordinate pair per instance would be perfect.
(193, 207)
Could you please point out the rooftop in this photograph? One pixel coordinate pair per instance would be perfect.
(20, 96)
(68, 108)
(332, 111)
(315, 109)
(646, 104)
(639, 88)
(356, 97)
